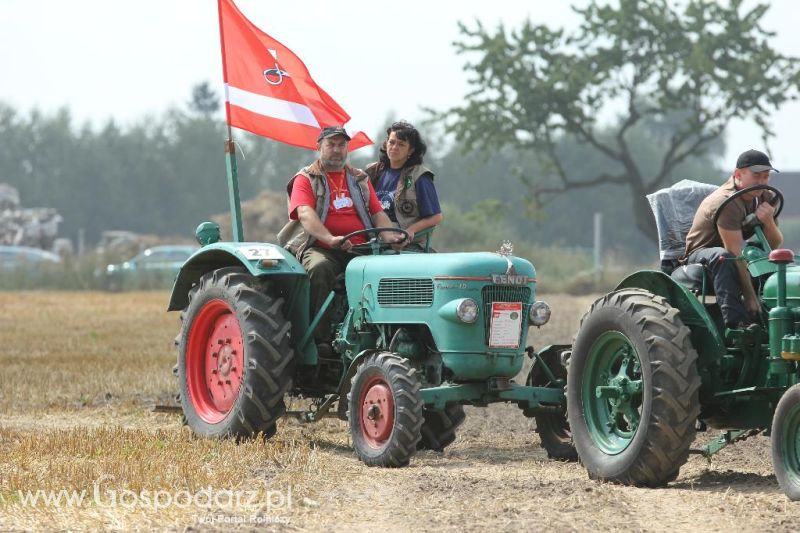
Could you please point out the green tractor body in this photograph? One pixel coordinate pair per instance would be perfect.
(417, 336)
(652, 364)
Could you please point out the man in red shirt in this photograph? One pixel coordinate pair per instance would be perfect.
(327, 200)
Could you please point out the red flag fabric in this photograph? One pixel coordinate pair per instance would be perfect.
(268, 89)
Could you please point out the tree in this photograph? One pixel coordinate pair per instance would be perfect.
(463, 180)
(652, 59)
(204, 100)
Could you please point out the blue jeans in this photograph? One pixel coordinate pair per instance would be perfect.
(725, 277)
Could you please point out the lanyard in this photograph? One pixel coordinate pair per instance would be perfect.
(341, 188)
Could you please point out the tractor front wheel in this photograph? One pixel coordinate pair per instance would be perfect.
(786, 443)
(632, 389)
(235, 362)
(552, 427)
(385, 410)
(439, 428)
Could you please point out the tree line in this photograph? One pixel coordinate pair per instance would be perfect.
(165, 174)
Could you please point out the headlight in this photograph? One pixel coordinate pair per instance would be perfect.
(467, 311)
(539, 313)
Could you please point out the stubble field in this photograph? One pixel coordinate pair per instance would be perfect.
(81, 372)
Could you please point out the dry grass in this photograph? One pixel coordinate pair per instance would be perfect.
(73, 350)
(82, 369)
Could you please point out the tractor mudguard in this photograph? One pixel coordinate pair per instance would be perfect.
(551, 352)
(705, 336)
(260, 259)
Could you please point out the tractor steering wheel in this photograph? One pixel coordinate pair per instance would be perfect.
(374, 245)
(776, 202)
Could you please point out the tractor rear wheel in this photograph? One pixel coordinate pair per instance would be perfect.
(786, 443)
(439, 428)
(632, 389)
(235, 362)
(385, 410)
(553, 428)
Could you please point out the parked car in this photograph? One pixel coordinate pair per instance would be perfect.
(153, 268)
(26, 258)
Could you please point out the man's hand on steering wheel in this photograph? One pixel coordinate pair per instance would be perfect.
(341, 243)
(776, 202)
(396, 240)
(765, 212)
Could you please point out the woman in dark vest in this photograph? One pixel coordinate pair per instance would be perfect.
(403, 185)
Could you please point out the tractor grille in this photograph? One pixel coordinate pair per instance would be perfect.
(500, 293)
(405, 292)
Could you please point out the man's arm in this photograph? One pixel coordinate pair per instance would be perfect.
(381, 220)
(732, 241)
(313, 225)
(766, 214)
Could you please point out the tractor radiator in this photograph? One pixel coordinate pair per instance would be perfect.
(501, 293)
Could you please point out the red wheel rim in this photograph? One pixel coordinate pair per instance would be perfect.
(377, 412)
(214, 361)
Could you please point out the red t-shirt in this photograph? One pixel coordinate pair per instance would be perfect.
(342, 215)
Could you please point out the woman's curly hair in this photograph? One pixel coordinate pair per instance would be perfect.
(405, 132)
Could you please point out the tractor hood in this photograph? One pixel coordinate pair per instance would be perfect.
(483, 267)
(428, 289)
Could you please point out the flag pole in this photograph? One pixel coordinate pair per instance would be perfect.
(230, 150)
(233, 189)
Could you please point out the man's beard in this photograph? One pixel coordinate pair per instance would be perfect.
(332, 165)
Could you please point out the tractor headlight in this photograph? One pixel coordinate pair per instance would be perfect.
(539, 314)
(467, 311)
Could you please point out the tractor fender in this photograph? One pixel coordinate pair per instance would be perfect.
(705, 336)
(260, 259)
(558, 349)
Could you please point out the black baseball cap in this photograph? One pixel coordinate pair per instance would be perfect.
(755, 161)
(330, 131)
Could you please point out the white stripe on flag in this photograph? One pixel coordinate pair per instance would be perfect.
(270, 107)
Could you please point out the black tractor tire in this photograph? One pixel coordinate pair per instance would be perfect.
(552, 428)
(385, 410)
(785, 436)
(642, 331)
(232, 312)
(439, 427)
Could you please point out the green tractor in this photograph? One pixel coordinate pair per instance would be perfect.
(652, 362)
(417, 336)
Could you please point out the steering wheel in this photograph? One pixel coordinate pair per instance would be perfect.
(776, 202)
(374, 245)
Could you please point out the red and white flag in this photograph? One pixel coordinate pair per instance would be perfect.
(268, 89)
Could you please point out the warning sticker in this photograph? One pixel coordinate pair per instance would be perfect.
(506, 325)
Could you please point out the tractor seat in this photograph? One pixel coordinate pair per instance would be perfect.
(691, 277)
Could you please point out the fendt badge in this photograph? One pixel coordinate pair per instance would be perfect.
(509, 279)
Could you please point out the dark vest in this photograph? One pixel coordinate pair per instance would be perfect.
(406, 208)
(292, 236)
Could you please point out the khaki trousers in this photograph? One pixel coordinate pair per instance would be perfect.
(323, 265)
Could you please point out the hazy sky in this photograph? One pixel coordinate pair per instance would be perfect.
(124, 60)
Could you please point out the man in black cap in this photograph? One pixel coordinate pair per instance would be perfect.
(327, 200)
(718, 245)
